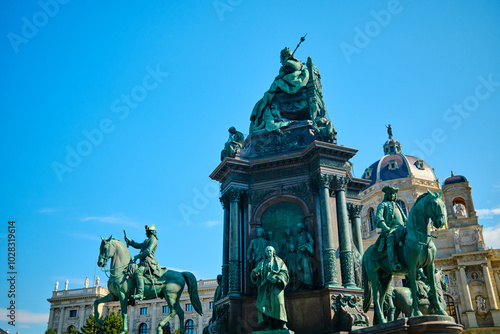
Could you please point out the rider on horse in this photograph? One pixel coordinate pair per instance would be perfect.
(147, 259)
(389, 218)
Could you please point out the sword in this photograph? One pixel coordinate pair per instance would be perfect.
(152, 281)
(125, 234)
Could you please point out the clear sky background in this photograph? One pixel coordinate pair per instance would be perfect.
(431, 69)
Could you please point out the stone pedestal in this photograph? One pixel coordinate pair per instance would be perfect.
(427, 324)
(308, 312)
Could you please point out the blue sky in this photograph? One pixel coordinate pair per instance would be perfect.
(155, 85)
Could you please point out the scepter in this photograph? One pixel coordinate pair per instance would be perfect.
(303, 38)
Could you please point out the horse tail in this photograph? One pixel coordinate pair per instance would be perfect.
(193, 291)
(367, 293)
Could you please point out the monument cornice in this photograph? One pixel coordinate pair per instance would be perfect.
(315, 150)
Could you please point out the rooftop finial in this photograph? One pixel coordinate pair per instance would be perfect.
(389, 131)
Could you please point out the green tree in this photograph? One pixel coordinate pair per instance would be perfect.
(113, 323)
(71, 330)
(50, 331)
(90, 326)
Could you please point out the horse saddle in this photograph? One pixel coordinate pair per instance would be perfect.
(148, 277)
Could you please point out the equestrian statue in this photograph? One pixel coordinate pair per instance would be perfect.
(129, 282)
(404, 246)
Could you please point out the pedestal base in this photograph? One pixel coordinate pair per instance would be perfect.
(427, 324)
(275, 331)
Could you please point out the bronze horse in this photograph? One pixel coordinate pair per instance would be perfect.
(418, 251)
(121, 286)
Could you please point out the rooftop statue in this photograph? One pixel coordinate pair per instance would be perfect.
(416, 251)
(389, 131)
(169, 284)
(233, 144)
(271, 278)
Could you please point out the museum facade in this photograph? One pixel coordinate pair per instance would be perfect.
(72, 307)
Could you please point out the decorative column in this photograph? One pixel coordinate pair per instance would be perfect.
(82, 316)
(61, 319)
(489, 287)
(329, 258)
(355, 216)
(131, 319)
(471, 315)
(225, 246)
(51, 318)
(497, 278)
(154, 324)
(234, 242)
(346, 258)
(495, 313)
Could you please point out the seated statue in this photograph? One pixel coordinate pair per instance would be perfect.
(233, 144)
(324, 130)
(293, 75)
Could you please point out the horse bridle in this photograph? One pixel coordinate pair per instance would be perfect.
(105, 268)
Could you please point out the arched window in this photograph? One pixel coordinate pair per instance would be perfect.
(451, 308)
(71, 330)
(459, 207)
(190, 327)
(371, 219)
(167, 329)
(143, 328)
(402, 205)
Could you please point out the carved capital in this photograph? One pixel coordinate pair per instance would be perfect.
(235, 194)
(224, 201)
(354, 210)
(339, 183)
(324, 180)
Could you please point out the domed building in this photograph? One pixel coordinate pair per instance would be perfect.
(472, 271)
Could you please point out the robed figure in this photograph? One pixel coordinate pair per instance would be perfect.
(256, 249)
(271, 278)
(305, 249)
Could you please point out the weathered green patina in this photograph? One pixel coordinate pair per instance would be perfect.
(271, 278)
(418, 251)
(146, 257)
(233, 144)
(121, 285)
(292, 76)
(389, 218)
(401, 297)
